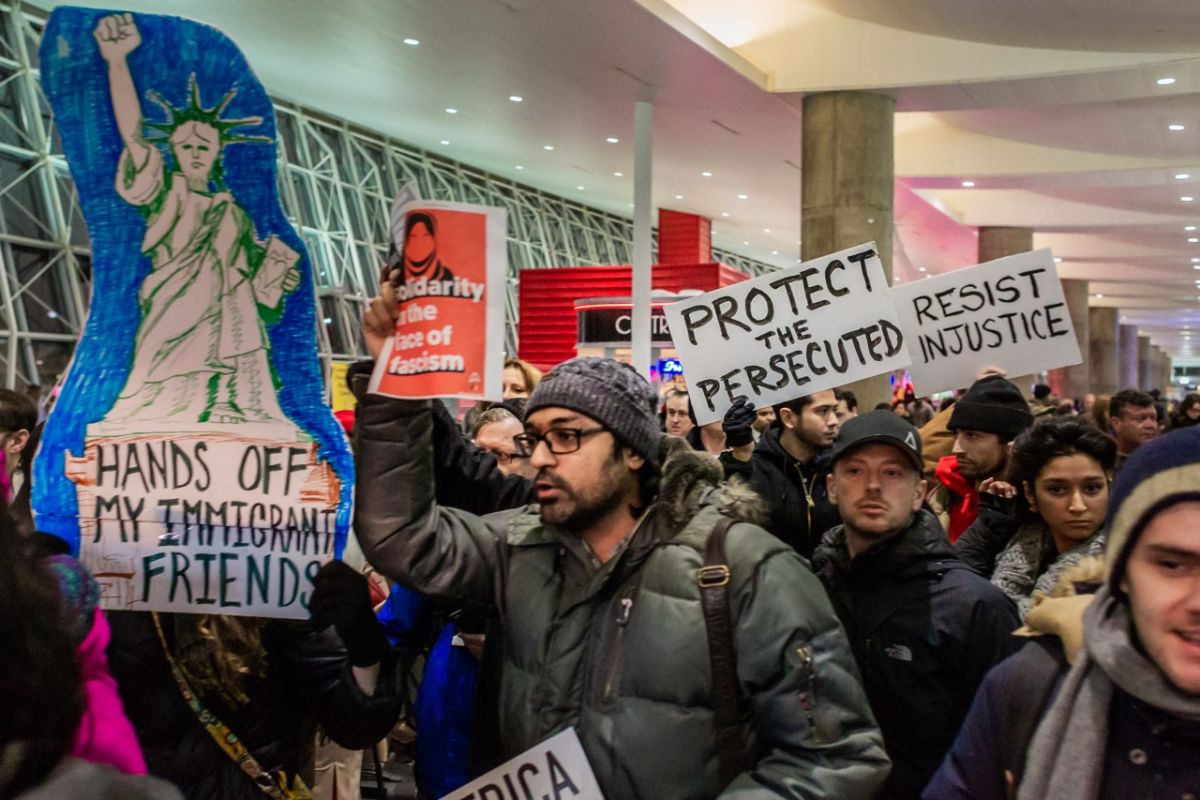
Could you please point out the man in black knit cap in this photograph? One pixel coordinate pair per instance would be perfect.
(990, 415)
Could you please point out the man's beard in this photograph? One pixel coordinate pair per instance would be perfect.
(586, 511)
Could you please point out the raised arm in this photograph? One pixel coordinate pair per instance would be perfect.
(117, 36)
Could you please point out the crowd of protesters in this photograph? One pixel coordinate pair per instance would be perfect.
(987, 595)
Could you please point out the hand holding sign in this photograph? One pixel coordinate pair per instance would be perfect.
(821, 324)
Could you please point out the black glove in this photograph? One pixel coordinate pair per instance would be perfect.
(342, 599)
(739, 423)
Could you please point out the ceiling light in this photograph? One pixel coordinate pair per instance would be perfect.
(1182, 176)
(612, 140)
(1175, 127)
(445, 141)
(1057, 260)
(579, 188)
(921, 269)
(1189, 227)
(412, 42)
(519, 166)
(1196, 260)
(52, 314)
(1193, 240)
(516, 98)
(724, 213)
(1165, 81)
(1187, 198)
(766, 230)
(547, 147)
(968, 184)
(451, 110)
(1099, 297)
(743, 197)
(678, 197)
(745, 243)
(774, 252)
(618, 174)
(705, 174)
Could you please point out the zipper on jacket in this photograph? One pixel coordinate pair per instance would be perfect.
(808, 689)
(613, 656)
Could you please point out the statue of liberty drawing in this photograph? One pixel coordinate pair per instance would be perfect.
(201, 353)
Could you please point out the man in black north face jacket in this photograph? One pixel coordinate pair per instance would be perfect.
(924, 628)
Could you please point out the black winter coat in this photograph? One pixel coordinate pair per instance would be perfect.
(308, 681)
(989, 534)
(787, 486)
(925, 630)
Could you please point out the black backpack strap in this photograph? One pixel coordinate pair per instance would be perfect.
(1043, 664)
(729, 705)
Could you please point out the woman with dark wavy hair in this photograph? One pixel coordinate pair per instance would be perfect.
(1188, 412)
(1049, 515)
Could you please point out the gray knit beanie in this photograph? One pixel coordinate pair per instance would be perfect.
(608, 391)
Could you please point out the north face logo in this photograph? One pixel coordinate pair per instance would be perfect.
(910, 441)
(898, 652)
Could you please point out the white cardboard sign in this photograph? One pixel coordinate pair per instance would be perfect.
(1008, 313)
(557, 769)
(820, 324)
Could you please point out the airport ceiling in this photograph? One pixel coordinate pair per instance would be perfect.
(1077, 118)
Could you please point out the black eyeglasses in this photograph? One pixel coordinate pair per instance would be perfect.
(560, 440)
(503, 457)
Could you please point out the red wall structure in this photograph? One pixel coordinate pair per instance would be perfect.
(548, 328)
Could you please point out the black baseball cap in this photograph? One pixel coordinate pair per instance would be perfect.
(879, 426)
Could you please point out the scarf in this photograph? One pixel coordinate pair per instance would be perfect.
(963, 502)
(1065, 759)
(1018, 571)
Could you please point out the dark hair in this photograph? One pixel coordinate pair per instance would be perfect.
(883, 406)
(848, 396)
(1041, 391)
(796, 406)
(40, 687)
(17, 412)
(678, 393)
(1053, 438)
(1180, 420)
(1128, 397)
(422, 217)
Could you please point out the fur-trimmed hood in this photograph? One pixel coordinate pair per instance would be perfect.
(691, 478)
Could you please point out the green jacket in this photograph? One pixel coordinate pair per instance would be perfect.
(619, 650)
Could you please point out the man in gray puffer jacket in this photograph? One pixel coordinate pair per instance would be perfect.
(596, 586)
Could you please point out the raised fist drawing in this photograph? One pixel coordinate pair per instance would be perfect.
(117, 35)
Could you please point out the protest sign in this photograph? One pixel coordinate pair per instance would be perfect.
(820, 324)
(449, 338)
(1008, 313)
(191, 460)
(556, 769)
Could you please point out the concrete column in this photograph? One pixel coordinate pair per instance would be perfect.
(847, 183)
(1128, 347)
(1145, 364)
(998, 242)
(1103, 350)
(1073, 381)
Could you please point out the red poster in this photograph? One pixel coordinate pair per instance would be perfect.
(449, 335)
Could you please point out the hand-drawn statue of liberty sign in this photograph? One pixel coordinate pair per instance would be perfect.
(191, 454)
